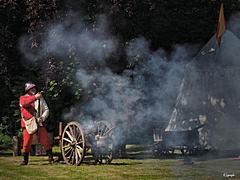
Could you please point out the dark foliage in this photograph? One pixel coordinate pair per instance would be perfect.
(164, 23)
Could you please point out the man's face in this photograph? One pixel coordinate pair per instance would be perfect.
(32, 91)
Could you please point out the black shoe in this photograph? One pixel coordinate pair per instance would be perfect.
(50, 156)
(25, 159)
(23, 163)
(50, 160)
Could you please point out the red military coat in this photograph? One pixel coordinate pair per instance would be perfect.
(27, 107)
(31, 107)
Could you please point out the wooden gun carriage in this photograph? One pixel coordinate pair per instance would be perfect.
(75, 141)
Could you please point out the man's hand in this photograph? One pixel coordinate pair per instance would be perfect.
(38, 96)
(40, 120)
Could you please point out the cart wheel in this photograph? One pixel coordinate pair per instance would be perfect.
(185, 151)
(104, 155)
(156, 150)
(104, 128)
(73, 144)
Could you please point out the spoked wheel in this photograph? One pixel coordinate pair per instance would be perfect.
(103, 151)
(73, 144)
(104, 128)
(184, 151)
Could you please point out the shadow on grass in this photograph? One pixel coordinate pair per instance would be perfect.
(210, 155)
(112, 164)
(6, 154)
(147, 154)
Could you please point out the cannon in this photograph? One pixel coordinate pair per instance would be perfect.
(166, 142)
(75, 141)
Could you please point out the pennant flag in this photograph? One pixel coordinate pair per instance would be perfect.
(221, 25)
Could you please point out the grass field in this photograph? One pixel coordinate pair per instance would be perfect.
(136, 167)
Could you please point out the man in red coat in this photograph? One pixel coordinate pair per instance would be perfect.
(33, 104)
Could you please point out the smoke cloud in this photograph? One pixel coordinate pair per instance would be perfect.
(136, 100)
(232, 24)
(73, 38)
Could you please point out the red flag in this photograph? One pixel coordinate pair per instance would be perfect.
(221, 25)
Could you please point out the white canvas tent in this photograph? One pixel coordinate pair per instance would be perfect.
(210, 95)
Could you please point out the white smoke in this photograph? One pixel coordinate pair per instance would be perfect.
(158, 75)
(96, 43)
(233, 24)
(73, 38)
(135, 99)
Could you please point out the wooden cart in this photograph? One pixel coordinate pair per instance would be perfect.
(75, 141)
(166, 142)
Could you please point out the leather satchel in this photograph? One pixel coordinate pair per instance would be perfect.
(31, 125)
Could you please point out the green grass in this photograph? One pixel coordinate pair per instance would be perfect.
(119, 169)
(135, 168)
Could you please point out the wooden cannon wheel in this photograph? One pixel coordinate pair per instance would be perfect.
(73, 144)
(104, 130)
